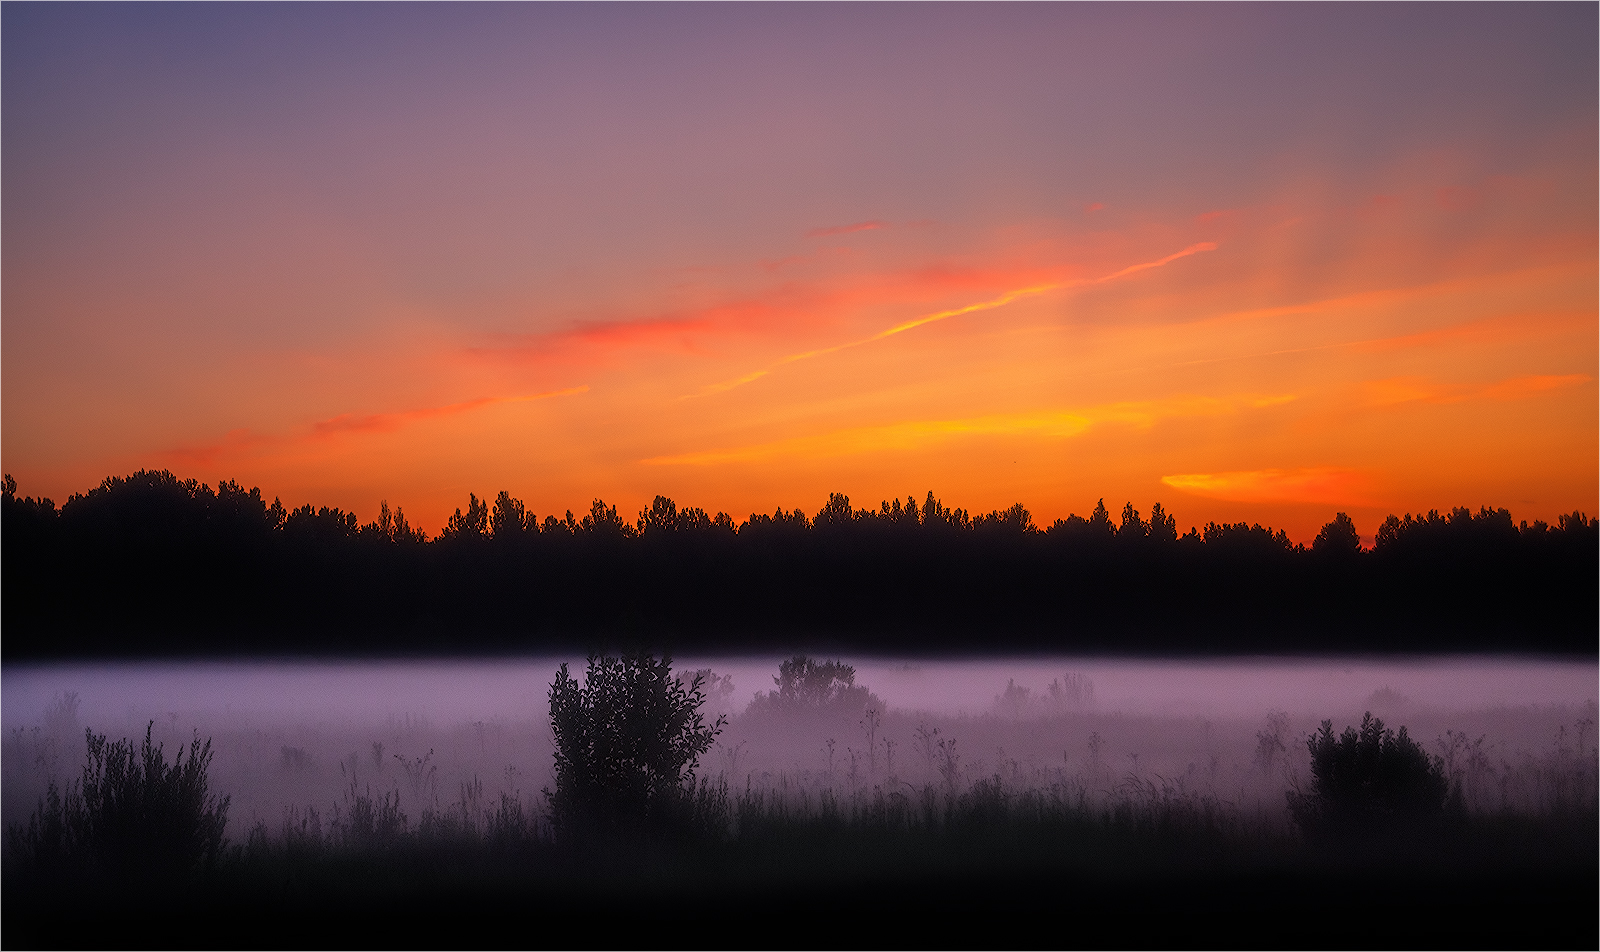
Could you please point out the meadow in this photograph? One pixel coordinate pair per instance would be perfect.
(1053, 801)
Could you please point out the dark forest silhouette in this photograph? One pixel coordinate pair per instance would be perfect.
(152, 564)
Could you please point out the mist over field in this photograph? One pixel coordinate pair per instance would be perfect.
(296, 736)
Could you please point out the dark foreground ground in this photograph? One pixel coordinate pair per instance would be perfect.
(821, 884)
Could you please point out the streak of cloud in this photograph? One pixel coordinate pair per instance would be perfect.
(781, 308)
(242, 441)
(912, 434)
(1318, 484)
(919, 321)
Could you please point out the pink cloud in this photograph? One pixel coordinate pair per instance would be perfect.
(242, 441)
(783, 309)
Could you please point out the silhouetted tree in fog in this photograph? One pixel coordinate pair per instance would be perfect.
(806, 685)
(627, 742)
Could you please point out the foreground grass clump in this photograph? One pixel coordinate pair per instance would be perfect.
(131, 817)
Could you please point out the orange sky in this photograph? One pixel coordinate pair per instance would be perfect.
(1339, 317)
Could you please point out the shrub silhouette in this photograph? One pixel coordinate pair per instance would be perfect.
(806, 685)
(131, 816)
(627, 743)
(1368, 781)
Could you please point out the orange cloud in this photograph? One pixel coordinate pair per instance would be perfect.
(912, 434)
(239, 442)
(1322, 484)
(845, 229)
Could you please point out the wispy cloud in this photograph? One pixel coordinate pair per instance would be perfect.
(915, 322)
(781, 309)
(243, 441)
(598, 337)
(846, 229)
(1318, 484)
(911, 434)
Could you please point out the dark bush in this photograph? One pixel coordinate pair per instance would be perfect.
(130, 817)
(804, 685)
(627, 743)
(1368, 781)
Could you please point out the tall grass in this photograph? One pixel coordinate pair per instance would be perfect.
(130, 816)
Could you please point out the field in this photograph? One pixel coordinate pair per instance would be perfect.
(852, 820)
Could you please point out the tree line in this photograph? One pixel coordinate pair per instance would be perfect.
(153, 564)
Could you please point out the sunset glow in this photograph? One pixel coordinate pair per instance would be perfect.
(1258, 264)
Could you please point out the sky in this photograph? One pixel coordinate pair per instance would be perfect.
(1257, 263)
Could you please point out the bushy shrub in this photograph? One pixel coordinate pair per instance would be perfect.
(1368, 781)
(131, 816)
(627, 743)
(807, 686)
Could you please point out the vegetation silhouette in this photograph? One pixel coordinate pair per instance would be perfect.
(153, 564)
(1369, 782)
(132, 818)
(627, 742)
(993, 847)
(807, 686)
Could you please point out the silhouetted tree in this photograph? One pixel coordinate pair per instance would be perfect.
(806, 685)
(473, 525)
(320, 526)
(391, 526)
(1099, 523)
(1163, 528)
(1015, 519)
(661, 517)
(1132, 528)
(510, 521)
(627, 742)
(835, 514)
(602, 522)
(1338, 539)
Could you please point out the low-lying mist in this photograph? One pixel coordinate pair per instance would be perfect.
(291, 737)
